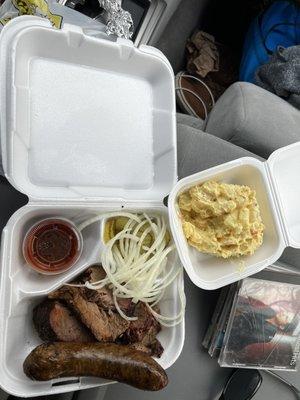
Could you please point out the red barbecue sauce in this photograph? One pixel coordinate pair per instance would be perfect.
(52, 246)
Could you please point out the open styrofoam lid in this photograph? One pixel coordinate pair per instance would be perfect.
(84, 117)
(284, 167)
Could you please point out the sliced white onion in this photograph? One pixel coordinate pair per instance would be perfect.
(136, 271)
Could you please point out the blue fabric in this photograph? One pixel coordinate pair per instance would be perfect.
(279, 25)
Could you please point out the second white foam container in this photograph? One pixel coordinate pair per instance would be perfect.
(276, 183)
(87, 126)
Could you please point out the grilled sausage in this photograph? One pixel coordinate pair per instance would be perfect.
(104, 360)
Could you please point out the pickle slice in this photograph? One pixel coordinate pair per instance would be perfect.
(120, 223)
(115, 225)
(109, 230)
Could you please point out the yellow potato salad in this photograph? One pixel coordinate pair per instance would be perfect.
(221, 219)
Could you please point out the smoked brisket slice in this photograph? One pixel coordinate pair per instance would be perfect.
(103, 297)
(94, 311)
(105, 325)
(55, 322)
(144, 330)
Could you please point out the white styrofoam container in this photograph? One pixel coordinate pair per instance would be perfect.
(87, 126)
(277, 189)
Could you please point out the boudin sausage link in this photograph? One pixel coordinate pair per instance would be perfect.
(104, 360)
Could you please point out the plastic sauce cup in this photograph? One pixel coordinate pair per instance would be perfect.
(52, 246)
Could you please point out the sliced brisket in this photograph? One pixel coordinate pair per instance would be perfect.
(139, 347)
(105, 325)
(55, 322)
(70, 310)
(144, 330)
(103, 297)
(156, 348)
(145, 327)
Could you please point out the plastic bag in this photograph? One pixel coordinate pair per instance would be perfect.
(118, 21)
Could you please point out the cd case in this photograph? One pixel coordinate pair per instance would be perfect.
(263, 329)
